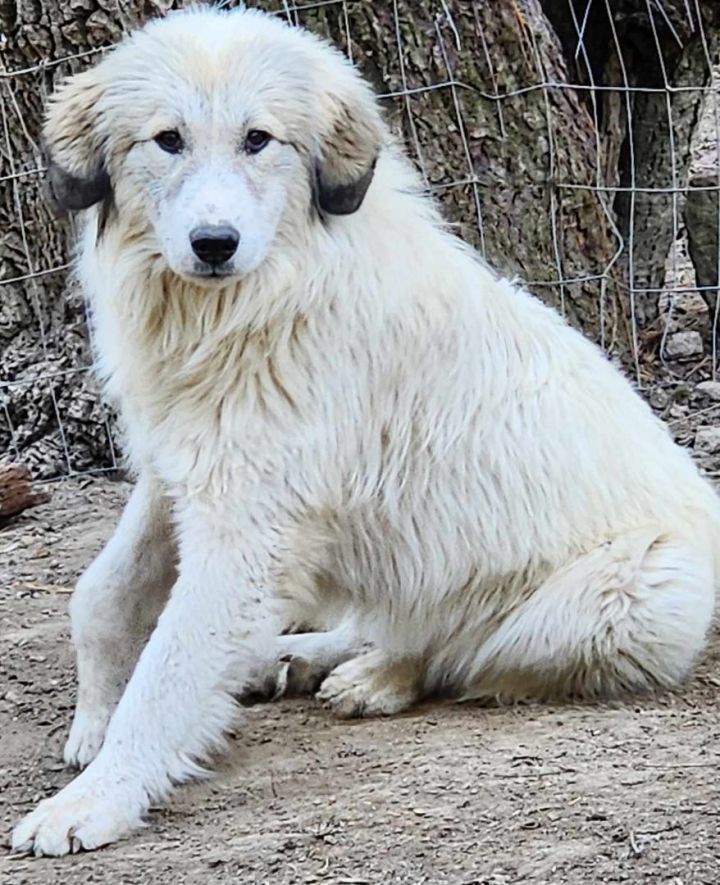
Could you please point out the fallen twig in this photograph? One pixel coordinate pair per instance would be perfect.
(42, 588)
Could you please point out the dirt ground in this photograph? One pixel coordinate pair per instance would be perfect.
(621, 792)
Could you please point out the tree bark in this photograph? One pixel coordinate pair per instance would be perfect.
(50, 413)
(665, 53)
(702, 222)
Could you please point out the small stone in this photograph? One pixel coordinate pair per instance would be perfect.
(709, 389)
(659, 399)
(684, 346)
(707, 440)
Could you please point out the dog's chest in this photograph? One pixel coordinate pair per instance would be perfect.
(202, 409)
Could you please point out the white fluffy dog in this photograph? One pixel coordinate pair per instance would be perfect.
(340, 416)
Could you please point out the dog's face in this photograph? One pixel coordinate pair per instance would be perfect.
(217, 175)
(210, 136)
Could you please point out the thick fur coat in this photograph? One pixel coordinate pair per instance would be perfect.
(350, 422)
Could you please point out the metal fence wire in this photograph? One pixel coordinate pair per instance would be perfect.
(51, 415)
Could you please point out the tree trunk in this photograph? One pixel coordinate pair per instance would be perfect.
(524, 172)
(50, 414)
(702, 222)
(647, 132)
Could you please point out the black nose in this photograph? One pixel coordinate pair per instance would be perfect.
(214, 243)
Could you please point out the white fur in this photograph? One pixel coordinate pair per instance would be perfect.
(364, 424)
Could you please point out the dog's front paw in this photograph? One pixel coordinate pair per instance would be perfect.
(88, 813)
(86, 737)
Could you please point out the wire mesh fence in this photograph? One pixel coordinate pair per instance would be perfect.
(570, 153)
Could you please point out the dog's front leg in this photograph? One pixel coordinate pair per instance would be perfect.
(178, 702)
(114, 608)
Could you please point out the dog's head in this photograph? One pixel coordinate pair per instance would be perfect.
(209, 135)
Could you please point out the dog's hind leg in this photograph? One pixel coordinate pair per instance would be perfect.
(630, 614)
(373, 684)
(113, 610)
(301, 661)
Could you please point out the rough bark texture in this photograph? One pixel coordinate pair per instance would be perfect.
(499, 152)
(702, 222)
(50, 414)
(663, 48)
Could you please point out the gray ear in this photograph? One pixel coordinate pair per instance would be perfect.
(73, 148)
(343, 198)
(72, 193)
(348, 154)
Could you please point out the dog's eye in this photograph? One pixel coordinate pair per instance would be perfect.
(256, 140)
(169, 140)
